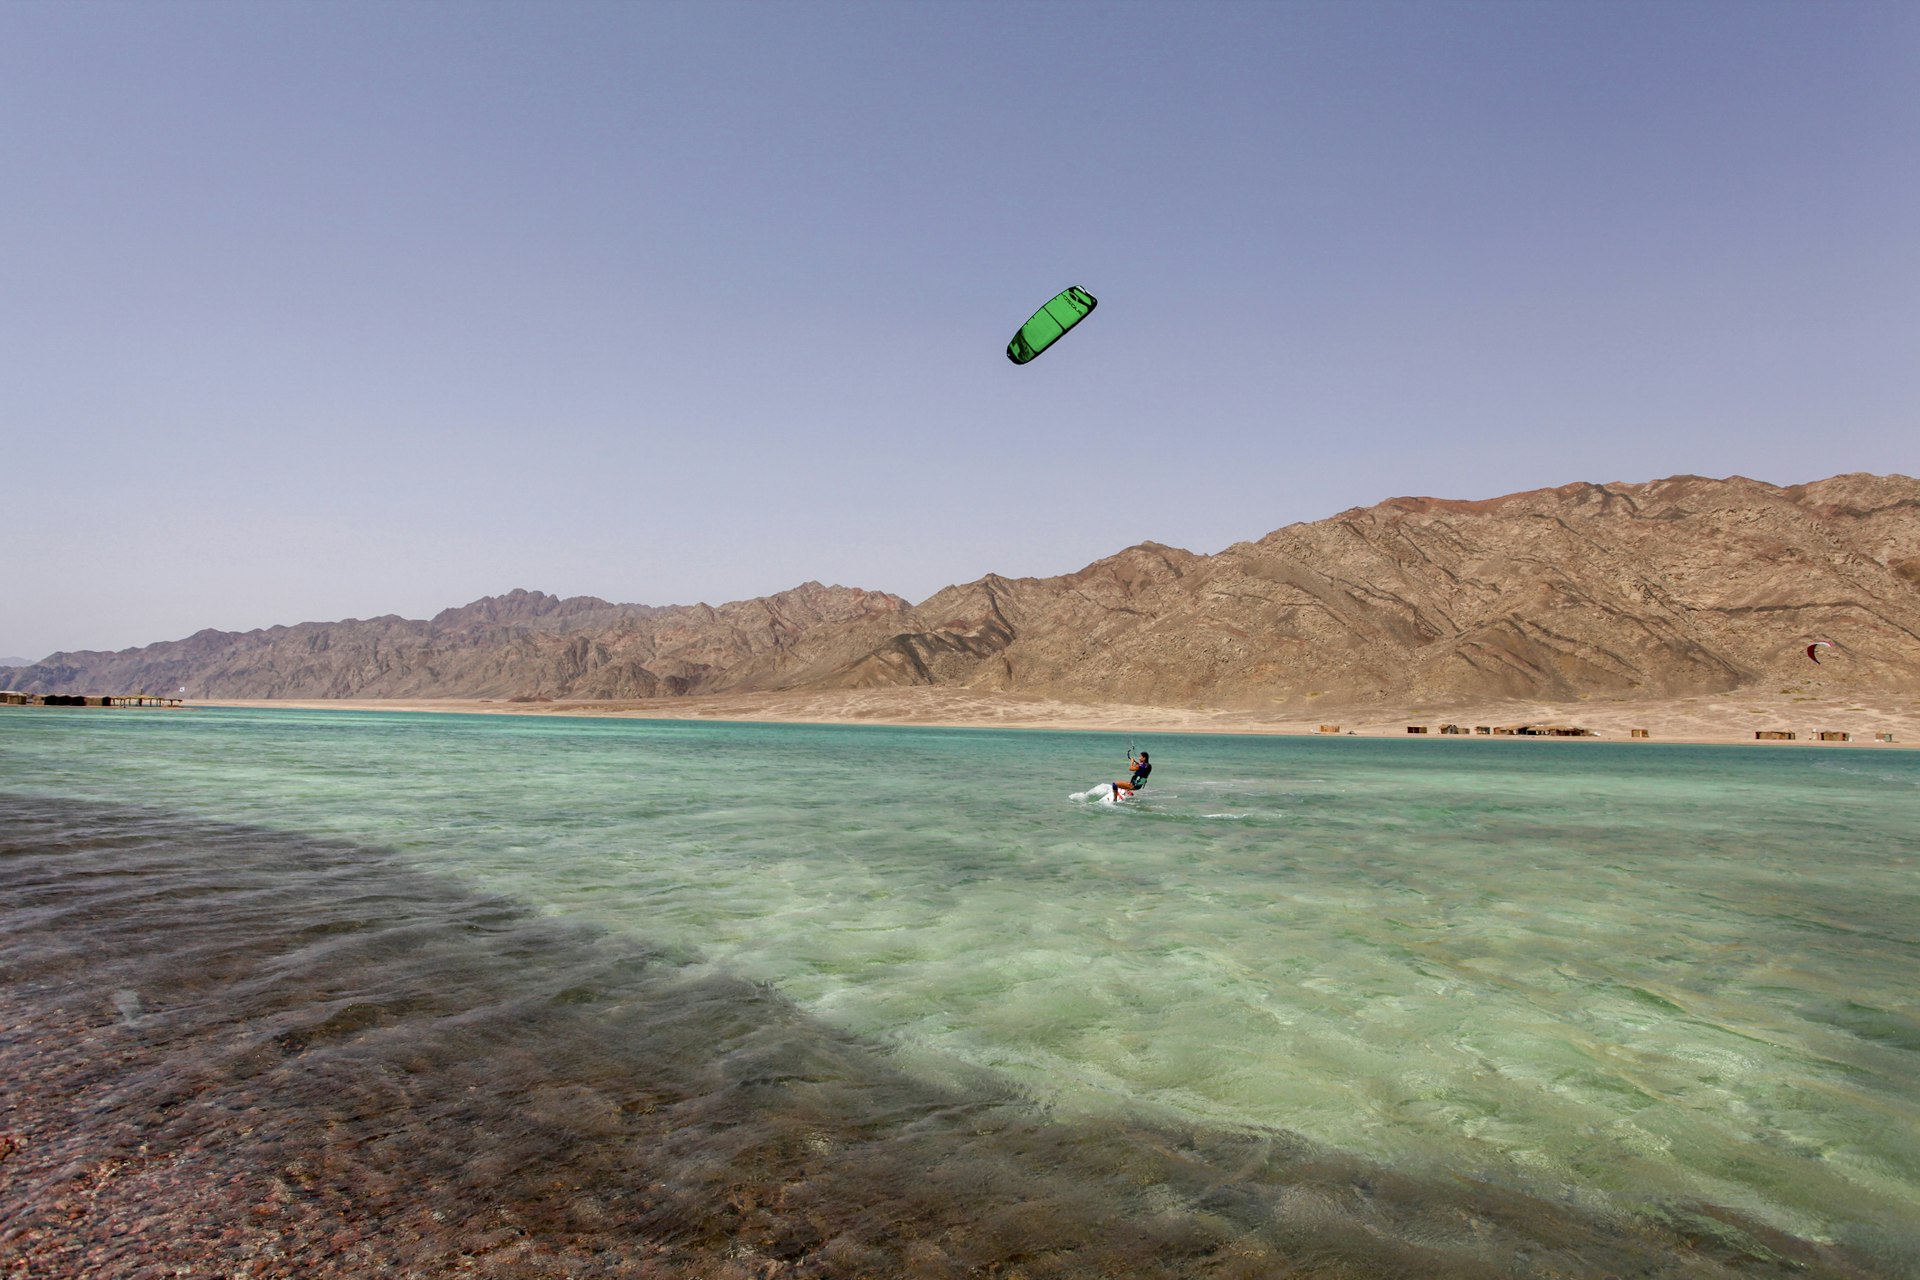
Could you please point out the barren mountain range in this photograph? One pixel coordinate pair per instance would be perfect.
(1670, 588)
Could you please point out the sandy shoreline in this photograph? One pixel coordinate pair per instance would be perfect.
(1727, 718)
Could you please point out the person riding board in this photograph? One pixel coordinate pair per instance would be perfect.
(1139, 779)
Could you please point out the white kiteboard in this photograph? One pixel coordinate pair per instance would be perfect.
(1106, 793)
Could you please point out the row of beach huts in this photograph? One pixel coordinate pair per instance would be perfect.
(14, 698)
(1575, 731)
(1515, 730)
(1822, 735)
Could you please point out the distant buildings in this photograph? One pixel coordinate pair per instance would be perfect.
(14, 698)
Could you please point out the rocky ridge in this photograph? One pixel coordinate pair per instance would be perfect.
(1670, 588)
(522, 644)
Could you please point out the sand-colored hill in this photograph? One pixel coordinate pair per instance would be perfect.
(1680, 587)
(1582, 596)
(524, 643)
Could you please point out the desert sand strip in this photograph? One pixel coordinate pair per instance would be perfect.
(1723, 718)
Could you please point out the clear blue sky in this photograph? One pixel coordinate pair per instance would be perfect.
(324, 310)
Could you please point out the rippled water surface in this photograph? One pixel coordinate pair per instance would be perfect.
(846, 1001)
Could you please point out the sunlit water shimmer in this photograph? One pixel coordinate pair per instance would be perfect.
(314, 992)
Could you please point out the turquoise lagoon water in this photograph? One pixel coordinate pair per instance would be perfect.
(1619, 978)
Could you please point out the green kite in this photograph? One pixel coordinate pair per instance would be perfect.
(1063, 311)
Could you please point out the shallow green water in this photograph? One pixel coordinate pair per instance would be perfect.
(1615, 974)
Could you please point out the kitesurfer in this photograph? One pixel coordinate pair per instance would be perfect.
(1139, 779)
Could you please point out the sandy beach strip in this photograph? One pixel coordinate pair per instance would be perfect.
(1721, 718)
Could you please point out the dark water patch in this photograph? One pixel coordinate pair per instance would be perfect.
(228, 1051)
(1894, 1029)
(1654, 1000)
